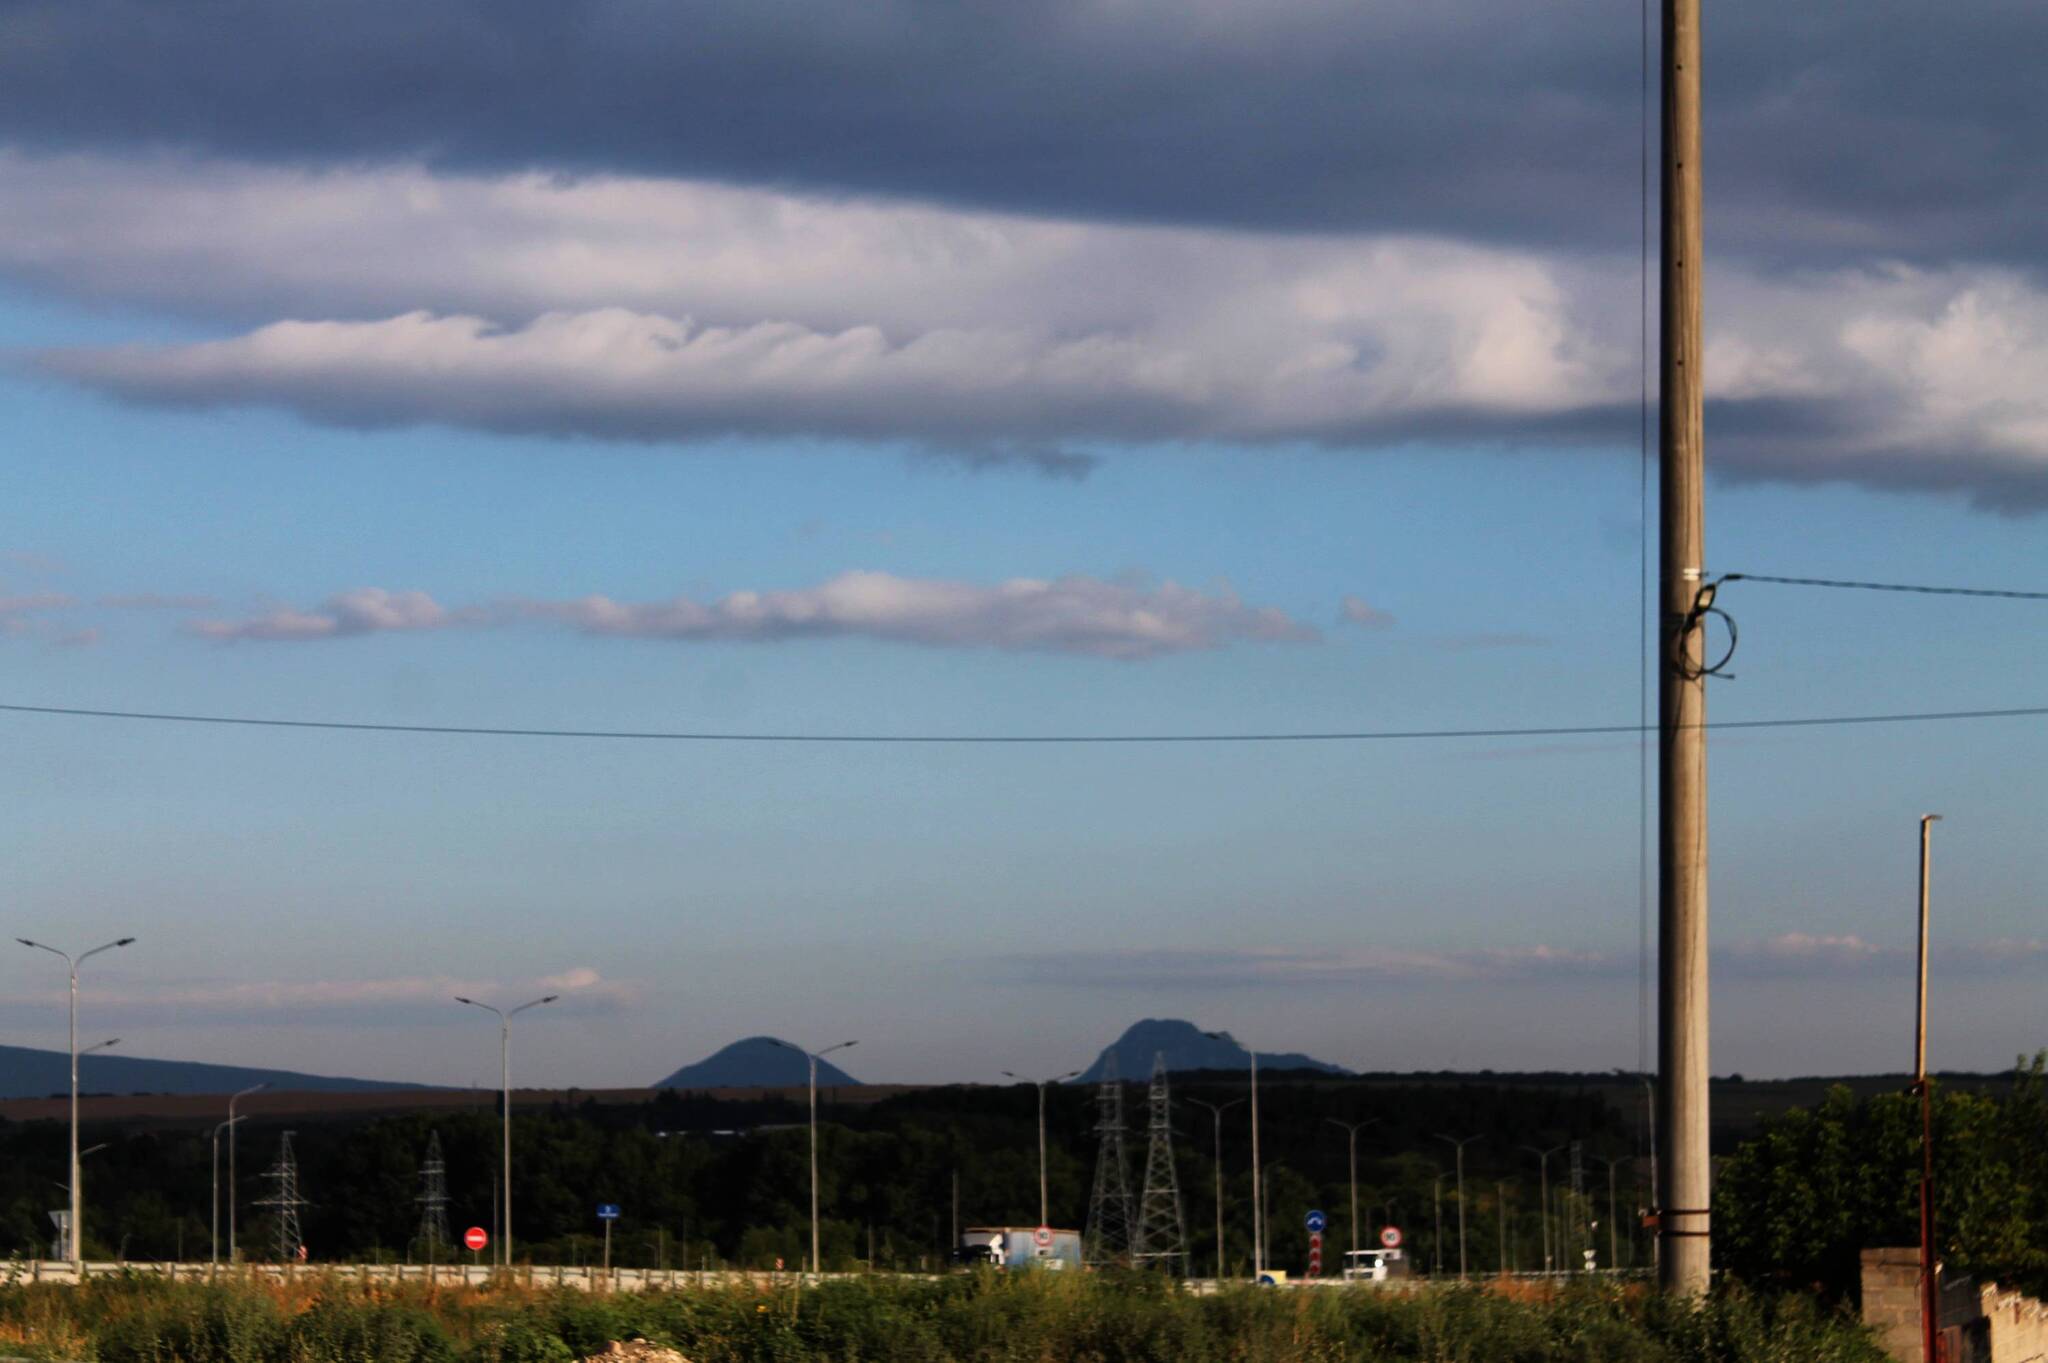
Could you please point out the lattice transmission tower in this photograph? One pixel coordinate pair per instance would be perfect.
(433, 1199)
(1110, 1229)
(290, 1244)
(1160, 1238)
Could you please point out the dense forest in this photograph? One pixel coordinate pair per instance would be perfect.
(705, 1182)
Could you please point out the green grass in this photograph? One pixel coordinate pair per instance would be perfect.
(984, 1318)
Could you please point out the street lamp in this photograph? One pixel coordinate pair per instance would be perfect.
(1543, 1211)
(77, 1200)
(814, 1057)
(1216, 1111)
(1353, 1128)
(1436, 1244)
(1044, 1202)
(505, 1017)
(234, 1187)
(1613, 1224)
(1258, 1192)
(1460, 1142)
(227, 1125)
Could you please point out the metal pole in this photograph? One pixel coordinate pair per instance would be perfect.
(1930, 1289)
(1500, 1209)
(1436, 1245)
(74, 1233)
(1613, 1228)
(74, 1240)
(813, 1071)
(218, 1127)
(1459, 1143)
(1258, 1200)
(505, 1017)
(1216, 1111)
(1682, 1007)
(505, 1127)
(1543, 1209)
(1217, 1155)
(1044, 1199)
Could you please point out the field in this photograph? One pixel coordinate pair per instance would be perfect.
(1017, 1319)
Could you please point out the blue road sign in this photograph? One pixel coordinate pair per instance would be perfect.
(607, 1211)
(1316, 1222)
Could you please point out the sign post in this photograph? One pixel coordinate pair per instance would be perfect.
(607, 1212)
(1315, 1221)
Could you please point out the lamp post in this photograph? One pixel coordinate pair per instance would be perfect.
(77, 1211)
(1500, 1209)
(813, 1057)
(1351, 1129)
(1258, 1191)
(218, 1128)
(505, 1017)
(1216, 1111)
(1543, 1213)
(234, 1187)
(1436, 1244)
(1613, 1223)
(1044, 1201)
(1459, 1143)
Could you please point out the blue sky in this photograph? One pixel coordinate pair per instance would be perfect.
(242, 389)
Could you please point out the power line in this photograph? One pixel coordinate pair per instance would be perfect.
(1884, 586)
(1306, 736)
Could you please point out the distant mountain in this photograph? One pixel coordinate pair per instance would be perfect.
(756, 1062)
(1188, 1047)
(26, 1073)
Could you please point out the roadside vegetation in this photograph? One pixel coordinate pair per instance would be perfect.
(1025, 1318)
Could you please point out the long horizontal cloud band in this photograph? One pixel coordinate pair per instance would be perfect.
(1075, 615)
(1790, 955)
(674, 311)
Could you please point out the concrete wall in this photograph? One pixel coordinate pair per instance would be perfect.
(587, 1278)
(1978, 1322)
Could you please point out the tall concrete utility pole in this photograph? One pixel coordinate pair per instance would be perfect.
(1686, 1191)
(1930, 1289)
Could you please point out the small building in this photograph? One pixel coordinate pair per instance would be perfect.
(1026, 1246)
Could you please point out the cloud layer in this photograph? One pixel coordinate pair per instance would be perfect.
(1460, 117)
(1074, 615)
(1785, 955)
(676, 311)
(402, 998)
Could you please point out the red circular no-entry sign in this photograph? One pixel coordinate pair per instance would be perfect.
(475, 1238)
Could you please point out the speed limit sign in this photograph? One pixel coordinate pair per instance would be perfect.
(1390, 1236)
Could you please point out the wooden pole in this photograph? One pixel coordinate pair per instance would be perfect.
(1682, 768)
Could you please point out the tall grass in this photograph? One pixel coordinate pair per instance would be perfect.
(981, 1318)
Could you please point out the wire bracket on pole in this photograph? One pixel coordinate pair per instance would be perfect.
(1703, 606)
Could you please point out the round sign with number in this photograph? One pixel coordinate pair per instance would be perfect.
(1316, 1221)
(1390, 1236)
(1043, 1235)
(475, 1238)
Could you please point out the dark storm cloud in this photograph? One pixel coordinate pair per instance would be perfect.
(1893, 128)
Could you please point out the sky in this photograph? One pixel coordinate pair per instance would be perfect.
(1022, 368)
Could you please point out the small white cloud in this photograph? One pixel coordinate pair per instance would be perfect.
(367, 610)
(1356, 610)
(1076, 615)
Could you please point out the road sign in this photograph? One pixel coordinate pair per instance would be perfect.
(1316, 1221)
(1390, 1236)
(607, 1211)
(1315, 1254)
(1043, 1235)
(475, 1238)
